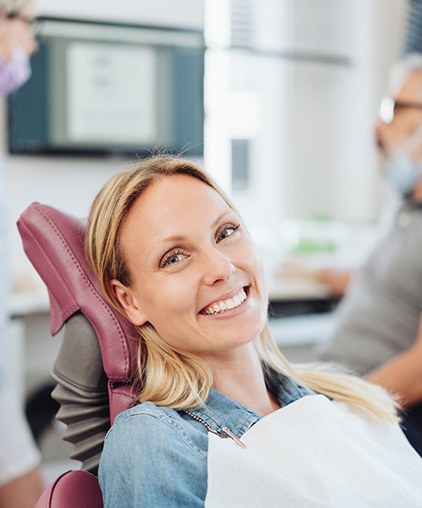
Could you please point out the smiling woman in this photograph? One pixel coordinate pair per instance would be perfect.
(189, 267)
(173, 256)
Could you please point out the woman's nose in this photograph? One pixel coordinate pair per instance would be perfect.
(217, 267)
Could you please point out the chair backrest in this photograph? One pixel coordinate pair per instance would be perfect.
(53, 241)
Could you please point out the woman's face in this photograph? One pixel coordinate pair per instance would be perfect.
(196, 276)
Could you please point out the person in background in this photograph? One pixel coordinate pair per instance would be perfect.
(378, 330)
(20, 477)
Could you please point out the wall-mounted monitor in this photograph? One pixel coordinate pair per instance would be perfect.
(101, 88)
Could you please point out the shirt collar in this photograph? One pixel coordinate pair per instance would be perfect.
(220, 411)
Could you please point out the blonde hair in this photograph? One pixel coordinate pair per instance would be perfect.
(167, 376)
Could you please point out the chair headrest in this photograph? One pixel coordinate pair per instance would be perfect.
(54, 243)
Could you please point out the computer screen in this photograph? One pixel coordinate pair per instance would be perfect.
(102, 88)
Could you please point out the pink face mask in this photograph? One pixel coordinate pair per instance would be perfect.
(14, 72)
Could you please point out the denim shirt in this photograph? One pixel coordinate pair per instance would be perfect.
(157, 457)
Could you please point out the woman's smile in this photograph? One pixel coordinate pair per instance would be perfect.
(227, 303)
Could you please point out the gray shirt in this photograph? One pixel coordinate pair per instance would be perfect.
(379, 316)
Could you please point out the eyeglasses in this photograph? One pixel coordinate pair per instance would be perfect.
(389, 107)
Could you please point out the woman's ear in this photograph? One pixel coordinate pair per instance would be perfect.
(128, 302)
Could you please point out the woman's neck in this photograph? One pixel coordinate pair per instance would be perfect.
(240, 377)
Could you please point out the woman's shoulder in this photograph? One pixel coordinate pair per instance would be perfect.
(147, 409)
(146, 423)
(148, 458)
(146, 418)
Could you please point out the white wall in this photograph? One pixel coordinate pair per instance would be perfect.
(331, 154)
(69, 183)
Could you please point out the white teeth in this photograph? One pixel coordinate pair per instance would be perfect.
(237, 300)
(228, 304)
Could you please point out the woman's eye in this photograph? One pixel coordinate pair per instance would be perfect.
(172, 259)
(227, 231)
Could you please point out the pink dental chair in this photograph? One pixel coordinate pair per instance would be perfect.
(98, 353)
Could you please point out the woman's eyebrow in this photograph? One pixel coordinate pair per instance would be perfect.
(220, 217)
(173, 238)
(180, 238)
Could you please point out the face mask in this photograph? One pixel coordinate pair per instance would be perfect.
(14, 72)
(402, 172)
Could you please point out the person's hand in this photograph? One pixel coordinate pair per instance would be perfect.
(296, 270)
(336, 279)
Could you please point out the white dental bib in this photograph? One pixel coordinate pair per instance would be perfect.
(315, 453)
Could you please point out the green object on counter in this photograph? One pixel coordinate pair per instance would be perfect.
(308, 246)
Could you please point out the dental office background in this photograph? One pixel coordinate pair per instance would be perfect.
(291, 91)
(291, 95)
